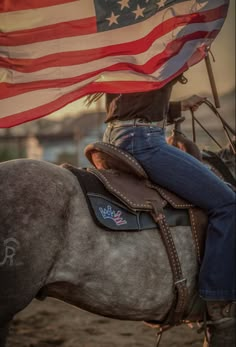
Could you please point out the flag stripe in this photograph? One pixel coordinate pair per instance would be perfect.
(106, 87)
(29, 19)
(151, 67)
(51, 32)
(52, 55)
(88, 26)
(66, 59)
(19, 5)
(12, 104)
(141, 63)
(95, 41)
(55, 58)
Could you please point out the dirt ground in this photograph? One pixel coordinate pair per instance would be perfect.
(54, 323)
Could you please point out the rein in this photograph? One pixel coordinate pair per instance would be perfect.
(227, 128)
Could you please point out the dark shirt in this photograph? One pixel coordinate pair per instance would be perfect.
(151, 106)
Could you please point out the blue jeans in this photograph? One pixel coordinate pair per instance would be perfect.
(193, 181)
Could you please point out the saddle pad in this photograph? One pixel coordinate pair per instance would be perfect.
(110, 213)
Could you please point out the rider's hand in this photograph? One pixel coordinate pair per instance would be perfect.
(192, 103)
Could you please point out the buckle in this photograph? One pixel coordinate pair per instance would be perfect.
(180, 281)
(140, 121)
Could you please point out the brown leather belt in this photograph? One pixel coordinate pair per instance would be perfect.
(137, 122)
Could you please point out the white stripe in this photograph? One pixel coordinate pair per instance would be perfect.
(34, 18)
(167, 69)
(98, 40)
(37, 98)
(158, 46)
(84, 42)
(30, 100)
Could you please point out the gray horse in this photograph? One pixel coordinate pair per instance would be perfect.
(49, 241)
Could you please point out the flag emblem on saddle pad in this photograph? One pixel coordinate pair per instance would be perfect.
(53, 52)
(109, 213)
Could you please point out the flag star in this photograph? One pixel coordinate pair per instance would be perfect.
(123, 4)
(199, 5)
(139, 12)
(112, 19)
(161, 3)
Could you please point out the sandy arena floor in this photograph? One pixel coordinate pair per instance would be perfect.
(54, 323)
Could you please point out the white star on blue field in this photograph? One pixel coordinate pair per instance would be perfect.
(113, 14)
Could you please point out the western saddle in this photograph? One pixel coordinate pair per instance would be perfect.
(125, 178)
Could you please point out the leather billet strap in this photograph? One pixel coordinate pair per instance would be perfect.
(199, 223)
(180, 282)
(148, 199)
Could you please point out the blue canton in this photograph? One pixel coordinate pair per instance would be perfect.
(114, 14)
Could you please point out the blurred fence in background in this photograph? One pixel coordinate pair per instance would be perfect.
(54, 141)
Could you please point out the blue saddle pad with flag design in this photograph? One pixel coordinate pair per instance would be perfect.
(110, 213)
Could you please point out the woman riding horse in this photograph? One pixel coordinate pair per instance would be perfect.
(136, 123)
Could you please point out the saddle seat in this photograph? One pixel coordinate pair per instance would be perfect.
(121, 174)
(105, 156)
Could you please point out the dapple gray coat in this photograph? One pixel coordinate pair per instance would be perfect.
(49, 240)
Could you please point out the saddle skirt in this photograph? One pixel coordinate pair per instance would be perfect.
(122, 197)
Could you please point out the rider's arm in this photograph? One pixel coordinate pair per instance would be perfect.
(174, 112)
(191, 103)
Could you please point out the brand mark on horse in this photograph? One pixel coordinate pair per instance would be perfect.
(10, 246)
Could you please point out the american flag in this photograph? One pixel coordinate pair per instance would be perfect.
(53, 52)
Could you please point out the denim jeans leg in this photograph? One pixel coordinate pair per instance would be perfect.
(190, 179)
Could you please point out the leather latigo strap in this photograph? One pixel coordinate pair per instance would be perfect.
(199, 222)
(198, 218)
(180, 282)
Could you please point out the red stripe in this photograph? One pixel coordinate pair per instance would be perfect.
(88, 26)
(82, 57)
(18, 5)
(106, 87)
(173, 48)
(50, 32)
